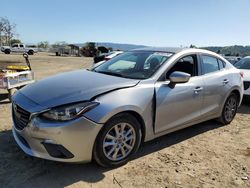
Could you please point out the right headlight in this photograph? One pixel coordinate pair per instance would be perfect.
(68, 112)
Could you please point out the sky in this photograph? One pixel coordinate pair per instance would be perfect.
(146, 22)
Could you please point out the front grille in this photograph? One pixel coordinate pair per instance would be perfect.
(20, 116)
(246, 85)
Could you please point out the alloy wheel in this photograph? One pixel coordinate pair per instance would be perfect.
(230, 109)
(119, 141)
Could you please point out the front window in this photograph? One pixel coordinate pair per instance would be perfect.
(243, 64)
(187, 64)
(134, 65)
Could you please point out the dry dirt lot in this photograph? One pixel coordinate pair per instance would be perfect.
(204, 155)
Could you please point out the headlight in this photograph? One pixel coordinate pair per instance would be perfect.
(69, 112)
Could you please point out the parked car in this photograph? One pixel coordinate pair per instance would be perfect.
(232, 59)
(18, 48)
(244, 66)
(106, 56)
(105, 113)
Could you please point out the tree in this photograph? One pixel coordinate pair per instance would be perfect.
(192, 46)
(43, 44)
(58, 44)
(7, 31)
(13, 41)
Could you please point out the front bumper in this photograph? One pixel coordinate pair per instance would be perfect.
(76, 138)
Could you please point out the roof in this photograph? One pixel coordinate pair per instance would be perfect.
(161, 49)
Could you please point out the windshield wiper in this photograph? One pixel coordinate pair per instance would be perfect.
(111, 73)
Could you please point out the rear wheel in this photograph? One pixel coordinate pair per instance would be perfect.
(119, 139)
(30, 52)
(229, 109)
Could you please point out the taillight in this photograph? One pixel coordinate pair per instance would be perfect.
(241, 74)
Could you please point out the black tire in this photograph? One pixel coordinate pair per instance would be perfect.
(230, 109)
(100, 150)
(7, 51)
(30, 52)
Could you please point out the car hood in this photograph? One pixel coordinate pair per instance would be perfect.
(75, 86)
(246, 74)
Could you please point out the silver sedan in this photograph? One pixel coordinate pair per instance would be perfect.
(105, 113)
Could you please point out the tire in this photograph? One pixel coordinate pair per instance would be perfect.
(119, 147)
(11, 92)
(7, 51)
(30, 52)
(229, 109)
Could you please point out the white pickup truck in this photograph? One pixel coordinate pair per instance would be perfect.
(21, 48)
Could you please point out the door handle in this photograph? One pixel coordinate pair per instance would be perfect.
(225, 81)
(198, 90)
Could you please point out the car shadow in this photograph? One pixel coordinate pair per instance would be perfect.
(176, 137)
(3, 97)
(43, 173)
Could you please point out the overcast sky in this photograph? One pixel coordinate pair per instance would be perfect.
(155, 23)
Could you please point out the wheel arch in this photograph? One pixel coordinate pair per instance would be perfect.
(140, 120)
(236, 91)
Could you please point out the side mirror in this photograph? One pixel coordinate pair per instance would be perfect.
(179, 77)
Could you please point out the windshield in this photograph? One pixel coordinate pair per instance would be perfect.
(243, 64)
(135, 65)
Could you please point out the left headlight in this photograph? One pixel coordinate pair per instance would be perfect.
(68, 112)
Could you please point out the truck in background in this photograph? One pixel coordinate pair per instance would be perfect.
(18, 48)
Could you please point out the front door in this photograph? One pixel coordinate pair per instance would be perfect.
(182, 104)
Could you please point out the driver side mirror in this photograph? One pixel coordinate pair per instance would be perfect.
(179, 77)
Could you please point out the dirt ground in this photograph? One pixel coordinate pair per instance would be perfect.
(204, 155)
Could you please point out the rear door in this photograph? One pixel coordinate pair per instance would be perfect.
(181, 104)
(216, 84)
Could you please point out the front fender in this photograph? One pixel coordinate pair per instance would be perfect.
(139, 99)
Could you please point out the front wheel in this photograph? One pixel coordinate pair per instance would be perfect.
(119, 139)
(229, 109)
(7, 51)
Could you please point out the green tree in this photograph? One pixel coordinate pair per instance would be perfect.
(43, 44)
(13, 41)
(192, 46)
(7, 31)
(58, 44)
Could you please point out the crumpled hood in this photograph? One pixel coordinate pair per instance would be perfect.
(75, 86)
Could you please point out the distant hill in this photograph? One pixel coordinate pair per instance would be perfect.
(226, 50)
(230, 50)
(115, 46)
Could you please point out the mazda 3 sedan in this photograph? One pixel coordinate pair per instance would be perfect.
(105, 113)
